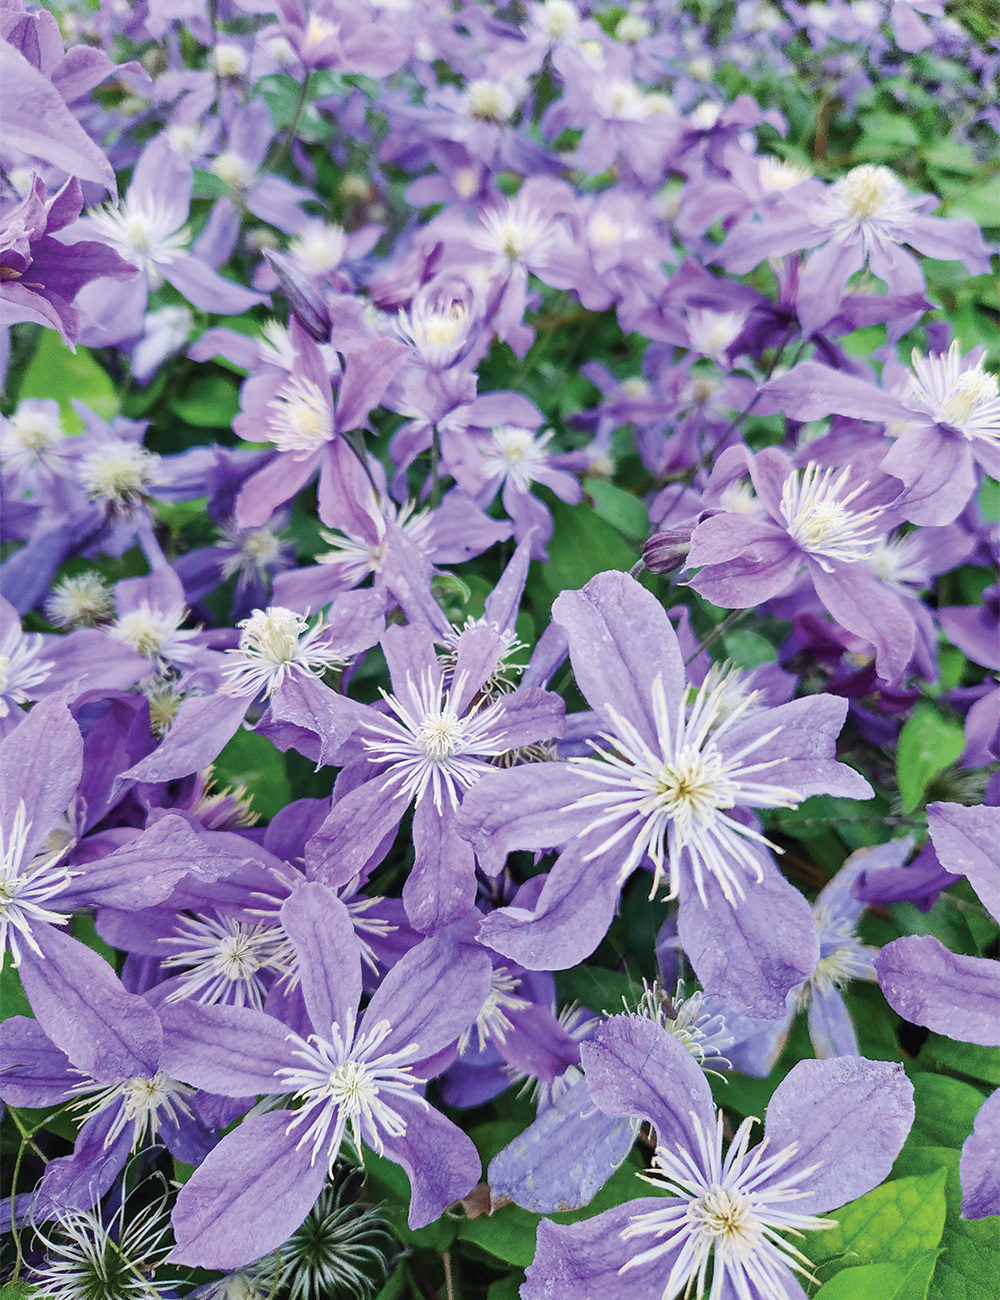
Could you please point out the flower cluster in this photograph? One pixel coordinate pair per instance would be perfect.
(499, 577)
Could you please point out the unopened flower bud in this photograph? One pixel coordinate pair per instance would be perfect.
(668, 550)
(305, 300)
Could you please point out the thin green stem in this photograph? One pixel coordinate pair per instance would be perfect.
(719, 630)
(273, 163)
(435, 467)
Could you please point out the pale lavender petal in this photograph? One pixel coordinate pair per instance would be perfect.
(42, 760)
(321, 929)
(752, 954)
(821, 1106)
(411, 995)
(810, 391)
(201, 730)
(356, 826)
(830, 1027)
(477, 654)
(80, 1180)
(620, 642)
(967, 841)
(248, 1196)
(586, 1259)
(441, 1161)
(529, 807)
(272, 486)
(230, 1051)
(980, 1163)
(366, 376)
(206, 289)
(937, 470)
(745, 561)
(562, 1160)
(35, 1073)
(635, 1068)
(81, 1004)
(866, 607)
(304, 701)
(441, 886)
(823, 280)
(572, 916)
(952, 994)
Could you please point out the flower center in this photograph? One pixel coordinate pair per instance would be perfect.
(815, 508)
(440, 735)
(692, 785)
(490, 100)
(493, 1020)
(273, 634)
(727, 1219)
(868, 192)
(147, 630)
(118, 474)
(233, 170)
(300, 419)
(320, 249)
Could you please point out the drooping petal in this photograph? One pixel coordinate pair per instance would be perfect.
(562, 1160)
(634, 1067)
(830, 1027)
(432, 994)
(83, 1007)
(753, 953)
(822, 1107)
(42, 762)
(203, 726)
(966, 841)
(980, 1163)
(441, 1161)
(248, 1195)
(586, 1259)
(952, 994)
(329, 953)
(866, 607)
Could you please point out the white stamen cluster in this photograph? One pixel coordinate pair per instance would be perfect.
(870, 198)
(233, 170)
(21, 667)
(557, 18)
(777, 175)
(685, 1016)
(320, 248)
(815, 505)
(300, 417)
(493, 1022)
(438, 333)
(515, 453)
(960, 396)
(252, 551)
(671, 802)
(514, 235)
(727, 1214)
(119, 475)
(712, 332)
(154, 633)
(82, 600)
(32, 437)
(26, 886)
(143, 1102)
(345, 1082)
(275, 644)
(428, 744)
(222, 960)
(143, 233)
(492, 101)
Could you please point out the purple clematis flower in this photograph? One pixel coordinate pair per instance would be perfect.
(660, 796)
(955, 995)
(429, 747)
(39, 274)
(825, 520)
(724, 1212)
(350, 1077)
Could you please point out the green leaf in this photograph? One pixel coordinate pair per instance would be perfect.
(209, 402)
(966, 1270)
(897, 1220)
(946, 1110)
(749, 649)
(506, 1288)
(12, 999)
(582, 544)
(620, 508)
(398, 1286)
(900, 1281)
(85, 930)
(928, 744)
(57, 373)
(19, 1290)
(389, 1185)
(982, 1063)
(253, 762)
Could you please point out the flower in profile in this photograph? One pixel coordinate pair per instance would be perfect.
(716, 1229)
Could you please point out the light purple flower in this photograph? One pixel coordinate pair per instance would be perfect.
(724, 1212)
(660, 796)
